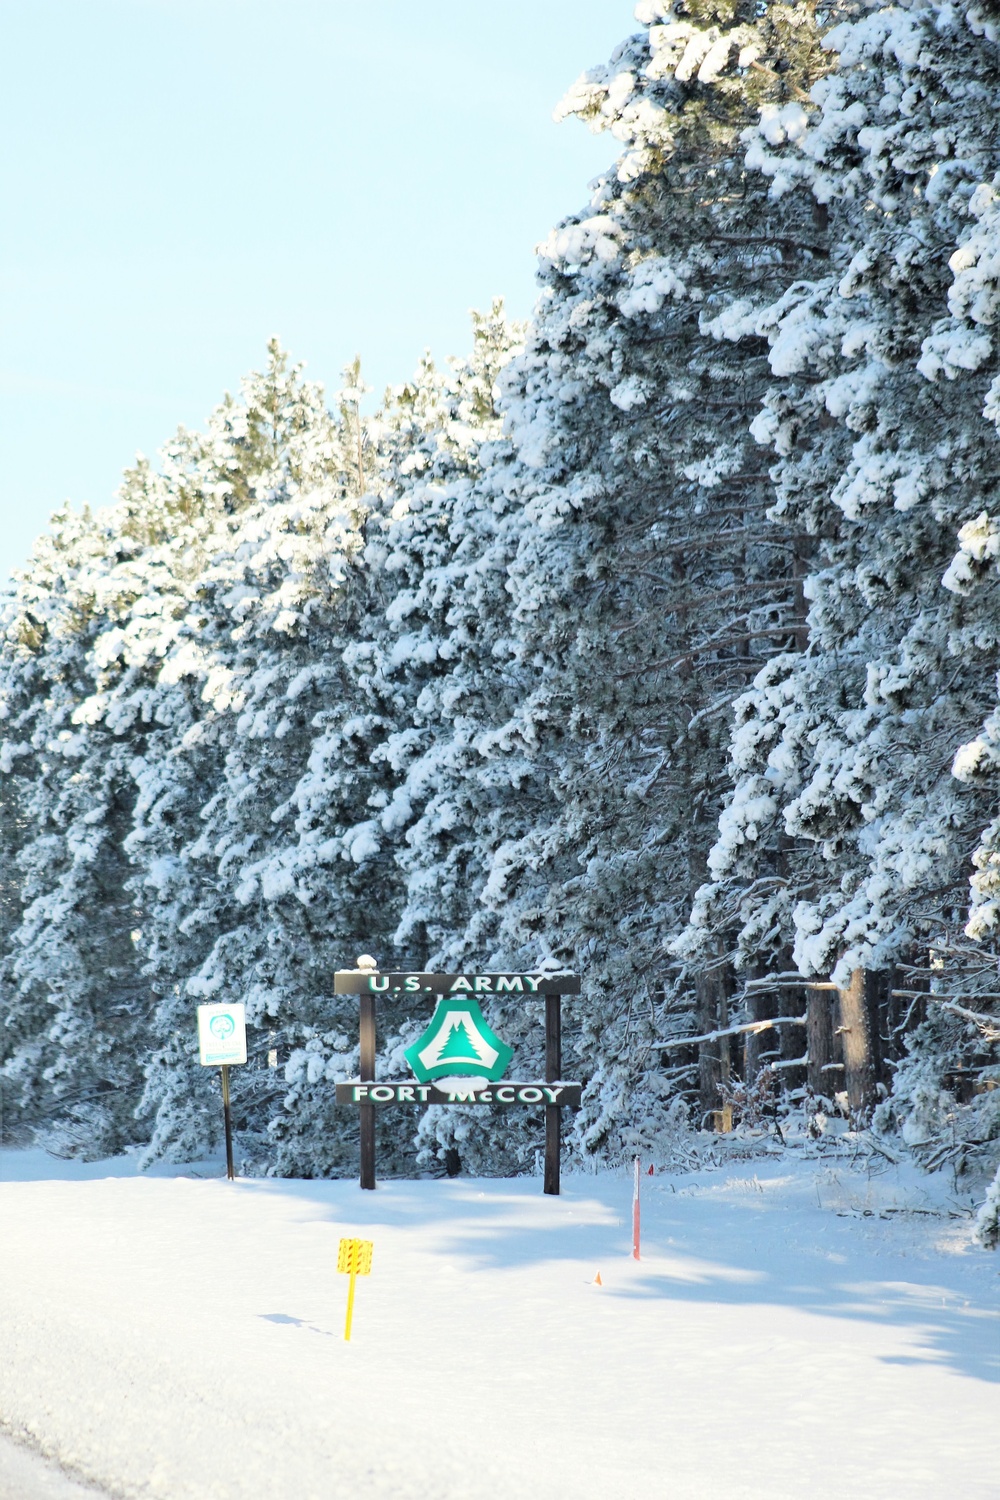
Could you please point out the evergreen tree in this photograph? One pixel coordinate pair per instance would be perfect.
(459, 1046)
(847, 837)
(76, 1007)
(647, 587)
(261, 648)
(637, 642)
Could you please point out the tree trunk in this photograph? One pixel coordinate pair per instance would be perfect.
(820, 1043)
(793, 1040)
(877, 991)
(763, 1006)
(714, 1058)
(855, 1034)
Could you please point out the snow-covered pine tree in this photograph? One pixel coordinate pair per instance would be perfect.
(17, 773)
(846, 836)
(437, 659)
(438, 643)
(224, 689)
(453, 536)
(254, 667)
(328, 709)
(76, 1008)
(136, 647)
(647, 586)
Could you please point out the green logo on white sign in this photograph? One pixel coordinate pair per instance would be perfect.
(458, 1042)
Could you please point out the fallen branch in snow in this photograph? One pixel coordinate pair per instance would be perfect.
(869, 1140)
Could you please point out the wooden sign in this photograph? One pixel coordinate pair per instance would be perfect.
(524, 986)
(425, 1093)
(459, 1059)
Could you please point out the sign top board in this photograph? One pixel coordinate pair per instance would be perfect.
(222, 1034)
(363, 982)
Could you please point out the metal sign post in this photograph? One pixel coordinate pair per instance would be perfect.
(222, 1041)
(228, 1117)
(458, 1059)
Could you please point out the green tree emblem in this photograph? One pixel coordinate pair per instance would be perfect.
(459, 1042)
(459, 1047)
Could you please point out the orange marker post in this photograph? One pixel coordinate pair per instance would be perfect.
(354, 1259)
(635, 1213)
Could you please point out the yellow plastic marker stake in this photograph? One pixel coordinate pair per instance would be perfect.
(354, 1258)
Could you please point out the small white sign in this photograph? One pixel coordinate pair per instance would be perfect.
(222, 1034)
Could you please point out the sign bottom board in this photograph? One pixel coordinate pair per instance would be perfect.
(426, 1093)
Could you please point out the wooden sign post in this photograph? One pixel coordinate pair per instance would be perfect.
(459, 1059)
(227, 1122)
(366, 1110)
(553, 1112)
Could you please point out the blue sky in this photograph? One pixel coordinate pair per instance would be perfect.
(183, 178)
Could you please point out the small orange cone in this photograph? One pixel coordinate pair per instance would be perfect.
(597, 1280)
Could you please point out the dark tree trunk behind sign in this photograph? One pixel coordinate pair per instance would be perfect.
(792, 1040)
(763, 1005)
(712, 987)
(855, 1033)
(820, 1042)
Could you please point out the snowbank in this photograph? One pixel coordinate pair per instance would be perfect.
(176, 1337)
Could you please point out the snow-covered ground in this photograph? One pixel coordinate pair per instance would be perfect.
(793, 1328)
(25, 1475)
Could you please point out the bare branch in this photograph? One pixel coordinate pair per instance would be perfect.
(719, 645)
(715, 1036)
